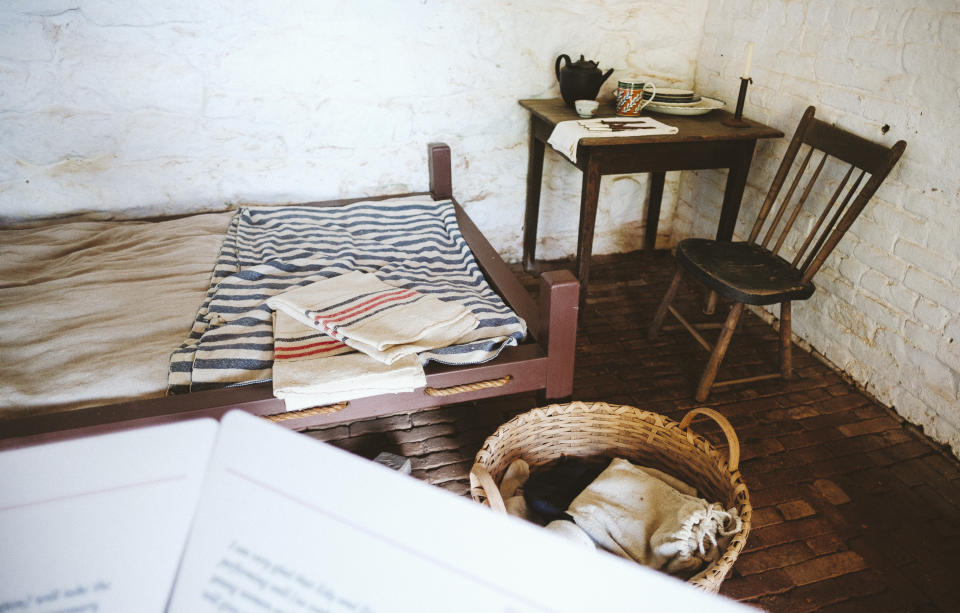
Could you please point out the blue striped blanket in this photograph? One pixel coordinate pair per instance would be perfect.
(412, 243)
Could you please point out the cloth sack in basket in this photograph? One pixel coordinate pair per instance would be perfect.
(311, 369)
(380, 320)
(638, 514)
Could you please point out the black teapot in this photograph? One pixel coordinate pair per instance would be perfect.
(580, 80)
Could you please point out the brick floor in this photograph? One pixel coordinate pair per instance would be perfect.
(854, 510)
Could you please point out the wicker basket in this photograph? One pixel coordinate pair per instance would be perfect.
(579, 429)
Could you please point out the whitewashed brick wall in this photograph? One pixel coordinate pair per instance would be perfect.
(180, 105)
(887, 309)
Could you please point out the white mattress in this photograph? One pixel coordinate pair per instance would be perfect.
(91, 310)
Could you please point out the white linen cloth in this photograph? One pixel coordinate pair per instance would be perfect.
(91, 306)
(634, 513)
(385, 322)
(566, 135)
(572, 532)
(325, 371)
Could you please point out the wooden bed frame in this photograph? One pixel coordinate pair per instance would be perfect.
(543, 363)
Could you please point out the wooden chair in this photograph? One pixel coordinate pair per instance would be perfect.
(752, 272)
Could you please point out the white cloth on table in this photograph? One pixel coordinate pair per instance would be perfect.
(634, 513)
(383, 321)
(566, 135)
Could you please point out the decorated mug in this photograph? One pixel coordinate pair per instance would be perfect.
(630, 96)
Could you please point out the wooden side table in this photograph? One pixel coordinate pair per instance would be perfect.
(701, 142)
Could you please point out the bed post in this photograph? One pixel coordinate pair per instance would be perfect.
(441, 182)
(559, 307)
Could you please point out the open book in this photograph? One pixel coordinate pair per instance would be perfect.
(243, 515)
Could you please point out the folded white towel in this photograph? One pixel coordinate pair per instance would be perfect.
(566, 135)
(639, 516)
(310, 369)
(380, 320)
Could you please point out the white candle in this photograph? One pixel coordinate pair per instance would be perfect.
(749, 60)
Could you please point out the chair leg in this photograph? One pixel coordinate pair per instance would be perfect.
(786, 355)
(710, 303)
(665, 304)
(719, 350)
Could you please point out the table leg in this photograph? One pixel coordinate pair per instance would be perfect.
(589, 195)
(532, 212)
(653, 210)
(733, 194)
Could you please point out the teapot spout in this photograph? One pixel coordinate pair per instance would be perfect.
(606, 75)
(598, 82)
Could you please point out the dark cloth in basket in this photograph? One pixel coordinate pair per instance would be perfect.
(549, 491)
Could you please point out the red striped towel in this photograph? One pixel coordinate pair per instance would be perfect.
(311, 369)
(380, 320)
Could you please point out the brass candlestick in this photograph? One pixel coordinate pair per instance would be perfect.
(737, 120)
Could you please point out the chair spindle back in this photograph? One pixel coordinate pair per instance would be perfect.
(839, 146)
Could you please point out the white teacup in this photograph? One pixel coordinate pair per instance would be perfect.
(586, 108)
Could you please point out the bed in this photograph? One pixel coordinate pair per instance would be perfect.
(104, 364)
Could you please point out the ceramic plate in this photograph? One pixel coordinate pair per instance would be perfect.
(673, 96)
(675, 101)
(695, 108)
(673, 93)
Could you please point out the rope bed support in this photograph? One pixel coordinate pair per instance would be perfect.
(468, 387)
(311, 412)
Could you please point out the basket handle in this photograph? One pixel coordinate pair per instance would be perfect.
(489, 487)
(733, 443)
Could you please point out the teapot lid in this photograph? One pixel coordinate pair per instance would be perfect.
(583, 64)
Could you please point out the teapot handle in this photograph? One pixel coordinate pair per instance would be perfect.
(556, 67)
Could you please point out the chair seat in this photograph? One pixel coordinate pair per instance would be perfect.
(744, 272)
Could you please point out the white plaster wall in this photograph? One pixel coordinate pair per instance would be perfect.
(162, 107)
(887, 309)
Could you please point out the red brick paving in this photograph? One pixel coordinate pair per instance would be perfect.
(854, 510)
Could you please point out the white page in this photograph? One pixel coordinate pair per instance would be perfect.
(289, 524)
(99, 523)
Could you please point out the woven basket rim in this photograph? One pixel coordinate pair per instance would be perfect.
(712, 576)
